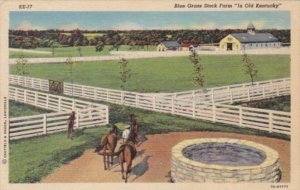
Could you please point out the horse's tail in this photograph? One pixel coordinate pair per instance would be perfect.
(100, 146)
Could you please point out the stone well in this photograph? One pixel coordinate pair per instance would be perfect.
(222, 160)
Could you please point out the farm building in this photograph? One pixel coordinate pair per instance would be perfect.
(169, 46)
(249, 40)
(188, 47)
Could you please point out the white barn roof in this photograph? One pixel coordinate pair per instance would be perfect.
(254, 38)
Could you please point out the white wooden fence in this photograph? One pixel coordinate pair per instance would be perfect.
(208, 104)
(29, 82)
(87, 114)
(196, 106)
(226, 94)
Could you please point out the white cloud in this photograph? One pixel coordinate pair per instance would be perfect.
(25, 25)
(128, 26)
(71, 26)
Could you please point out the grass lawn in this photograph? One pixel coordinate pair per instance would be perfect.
(169, 74)
(32, 159)
(73, 51)
(17, 109)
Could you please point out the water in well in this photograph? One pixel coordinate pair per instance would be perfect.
(224, 154)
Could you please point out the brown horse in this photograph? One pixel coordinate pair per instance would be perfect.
(126, 153)
(108, 143)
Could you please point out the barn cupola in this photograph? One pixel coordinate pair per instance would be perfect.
(250, 28)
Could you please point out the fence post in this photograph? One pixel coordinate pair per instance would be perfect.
(277, 90)
(16, 94)
(212, 96)
(35, 98)
(214, 112)
(264, 92)
(107, 115)
(122, 97)
(107, 95)
(25, 96)
(172, 102)
(42, 88)
(77, 119)
(194, 106)
(90, 110)
(95, 94)
(249, 96)
(73, 104)
(240, 116)
(45, 124)
(231, 97)
(270, 122)
(154, 101)
(47, 101)
(59, 104)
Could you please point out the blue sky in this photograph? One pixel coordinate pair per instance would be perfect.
(148, 20)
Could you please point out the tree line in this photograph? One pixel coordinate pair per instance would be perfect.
(135, 38)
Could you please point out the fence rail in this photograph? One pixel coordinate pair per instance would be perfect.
(87, 114)
(225, 94)
(196, 106)
(209, 104)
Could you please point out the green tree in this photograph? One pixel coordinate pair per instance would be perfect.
(249, 67)
(125, 72)
(198, 74)
(53, 46)
(70, 65)
(99, 46)
(124, 76)
(21, 65)
(79, 51)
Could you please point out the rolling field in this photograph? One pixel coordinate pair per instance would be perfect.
(169, 74)
(73, 52)
(32, 159)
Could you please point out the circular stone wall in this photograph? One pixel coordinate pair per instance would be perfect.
(224, 160)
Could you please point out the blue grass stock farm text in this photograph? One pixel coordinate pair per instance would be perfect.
(205, 5)
(224, 5)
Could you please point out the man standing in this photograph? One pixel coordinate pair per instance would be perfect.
(125, 133)
(71, 123)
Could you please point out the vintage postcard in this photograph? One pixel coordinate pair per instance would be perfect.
(150, 94)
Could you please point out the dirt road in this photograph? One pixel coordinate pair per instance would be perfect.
(153, 161)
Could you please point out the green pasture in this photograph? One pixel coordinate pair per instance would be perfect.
(168, 74)
(73, 51)
(32, 159)
(282, 103)
(17, 109)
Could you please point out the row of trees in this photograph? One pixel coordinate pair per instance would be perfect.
(249, 68)
(135, 38)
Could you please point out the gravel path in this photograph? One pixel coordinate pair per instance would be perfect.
(29, 51)
(116, 55)
(153, 161)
